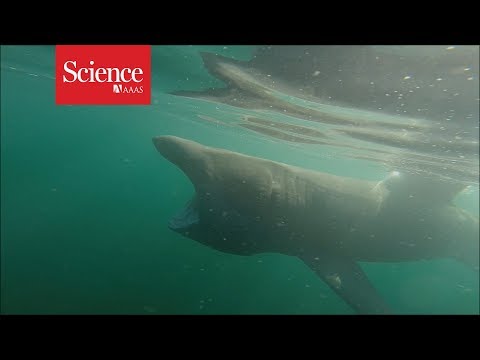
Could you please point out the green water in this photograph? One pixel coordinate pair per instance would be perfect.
(85, 199)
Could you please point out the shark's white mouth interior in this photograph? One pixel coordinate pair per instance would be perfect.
(186, 217)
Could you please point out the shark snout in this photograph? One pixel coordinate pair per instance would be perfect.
(189, 156)
(164, 144)
(172, 148)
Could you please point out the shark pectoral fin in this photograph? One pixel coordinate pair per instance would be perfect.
(347, 279)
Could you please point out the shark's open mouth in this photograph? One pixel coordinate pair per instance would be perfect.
(186, 217)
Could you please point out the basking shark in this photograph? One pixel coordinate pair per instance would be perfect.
(420, 100)
(246, 205)
(435, 82)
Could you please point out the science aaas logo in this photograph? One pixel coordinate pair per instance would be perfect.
(103, 74)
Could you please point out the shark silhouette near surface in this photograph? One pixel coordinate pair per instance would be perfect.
(427, 81)
(418, 103)
(246, 205)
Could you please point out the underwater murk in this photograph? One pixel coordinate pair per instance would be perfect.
(280, 180)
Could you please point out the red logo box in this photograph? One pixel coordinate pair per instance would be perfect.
(103, 74)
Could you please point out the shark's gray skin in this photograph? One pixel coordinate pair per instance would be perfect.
(246, 205)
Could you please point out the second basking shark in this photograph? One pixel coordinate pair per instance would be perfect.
(407, 100)
(246, 205)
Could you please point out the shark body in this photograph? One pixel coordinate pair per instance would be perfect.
(246, 205)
